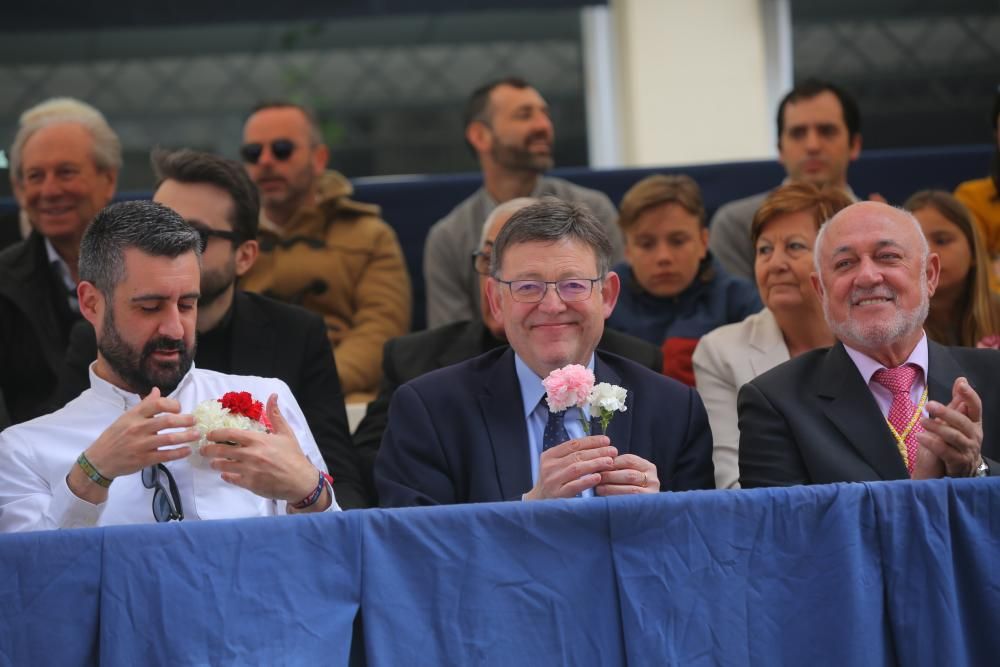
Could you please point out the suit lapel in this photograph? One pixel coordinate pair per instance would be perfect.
(501, 406)
(767, 345)
(253, 346)
(620, 428)
(853, 411)
(943, 371)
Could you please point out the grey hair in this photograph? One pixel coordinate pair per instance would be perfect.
(507, 208)
(107, 148)
(821, 236)
(59, 106)
(147, 226)
(552, 220)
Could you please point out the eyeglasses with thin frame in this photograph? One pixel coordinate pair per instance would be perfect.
(281, 149)
(568, 289)
(481, 262)
(205, 233)
(166, 499)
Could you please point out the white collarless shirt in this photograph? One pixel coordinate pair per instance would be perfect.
(36, 456)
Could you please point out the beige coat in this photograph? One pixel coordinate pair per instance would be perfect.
(342, 261)
(725, 360)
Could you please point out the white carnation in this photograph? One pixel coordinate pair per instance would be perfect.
(607, 397)
(210, 415)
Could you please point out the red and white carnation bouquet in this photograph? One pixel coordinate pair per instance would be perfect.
(236, 409)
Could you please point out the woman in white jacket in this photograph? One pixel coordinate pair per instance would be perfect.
(783, 234)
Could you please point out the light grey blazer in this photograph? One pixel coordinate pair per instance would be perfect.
(724, 361)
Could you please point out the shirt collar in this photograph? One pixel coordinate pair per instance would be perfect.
(107, 391)
(868, 366)
(62, 268)
(532, 389)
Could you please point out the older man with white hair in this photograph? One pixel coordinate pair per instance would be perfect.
(64, 167)
(884, 402)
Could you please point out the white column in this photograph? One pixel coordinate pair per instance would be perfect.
(777, 25)
(699, 81)
(600, 70)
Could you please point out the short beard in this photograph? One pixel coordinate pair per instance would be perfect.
(215, 283)
(136, 368)
(297, 188)
(516, 158)
(880, 333)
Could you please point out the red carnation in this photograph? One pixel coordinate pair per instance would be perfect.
(242, 403)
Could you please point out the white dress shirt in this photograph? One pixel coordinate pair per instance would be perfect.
(36, 456)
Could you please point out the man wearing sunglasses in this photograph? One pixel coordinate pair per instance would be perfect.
(241, 332)
(120, 452)
(481, 431)
(510, 131)
(319, 248)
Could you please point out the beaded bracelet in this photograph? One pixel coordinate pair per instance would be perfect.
(91, 472)
(313, 497)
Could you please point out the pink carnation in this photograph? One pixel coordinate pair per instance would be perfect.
(567, 387)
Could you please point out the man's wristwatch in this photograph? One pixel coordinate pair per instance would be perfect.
(982, 470)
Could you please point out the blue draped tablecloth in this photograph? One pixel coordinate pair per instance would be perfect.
(859, 574)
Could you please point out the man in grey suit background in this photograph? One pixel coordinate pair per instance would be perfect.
(819, 135)
(884, 402)
(509, 129)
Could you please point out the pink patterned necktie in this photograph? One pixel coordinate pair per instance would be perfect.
(898, 381)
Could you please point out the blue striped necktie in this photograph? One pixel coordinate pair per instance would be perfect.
(555, 430)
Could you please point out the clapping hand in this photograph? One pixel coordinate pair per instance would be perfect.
(952, 440)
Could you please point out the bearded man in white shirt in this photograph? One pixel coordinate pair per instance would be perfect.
(120, 452)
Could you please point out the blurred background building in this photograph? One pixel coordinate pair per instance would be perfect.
(630, 82)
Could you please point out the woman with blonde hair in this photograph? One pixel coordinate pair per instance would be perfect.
(963, 309)
(783, 234)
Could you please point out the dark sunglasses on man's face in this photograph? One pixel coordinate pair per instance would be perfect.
(281, 149)
(205, 233)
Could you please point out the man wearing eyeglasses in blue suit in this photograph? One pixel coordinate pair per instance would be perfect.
(121, 451)
(480, 431)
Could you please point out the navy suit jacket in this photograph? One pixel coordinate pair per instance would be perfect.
(459, 435)
(813, 420)
(408, 357)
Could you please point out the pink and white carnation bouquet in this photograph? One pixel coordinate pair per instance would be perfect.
(236, 409)
(573, 386)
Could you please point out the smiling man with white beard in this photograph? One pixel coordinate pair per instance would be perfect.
(884, 402)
